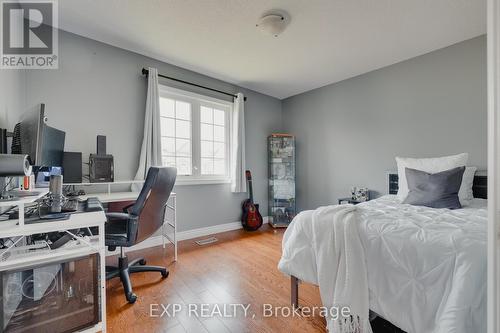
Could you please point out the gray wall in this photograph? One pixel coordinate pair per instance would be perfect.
(348, 133)
(12, 97)
(12, 100)
(98, 89)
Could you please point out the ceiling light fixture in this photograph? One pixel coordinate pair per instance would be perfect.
(273, 23)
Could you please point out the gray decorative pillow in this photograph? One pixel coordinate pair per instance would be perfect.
(436, 190)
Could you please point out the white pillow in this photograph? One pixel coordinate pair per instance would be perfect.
(431, 165)
(465, 194)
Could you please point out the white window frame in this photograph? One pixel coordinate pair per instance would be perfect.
(196, 100)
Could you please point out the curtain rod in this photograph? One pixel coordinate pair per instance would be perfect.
(146, 72)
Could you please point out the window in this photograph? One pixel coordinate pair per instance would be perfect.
(195, 135)
(213, 138)
(176, 135)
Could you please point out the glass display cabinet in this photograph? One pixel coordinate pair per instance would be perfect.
(281, 157)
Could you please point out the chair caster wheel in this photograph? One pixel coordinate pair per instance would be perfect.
(142, 262)
(131, 298)
(164, 274)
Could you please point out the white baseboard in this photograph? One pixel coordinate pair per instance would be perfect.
(184, 235)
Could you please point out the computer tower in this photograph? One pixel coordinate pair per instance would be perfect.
(57, 294)
(101, 168)
(72, 167)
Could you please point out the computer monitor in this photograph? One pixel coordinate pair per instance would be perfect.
(43, 144)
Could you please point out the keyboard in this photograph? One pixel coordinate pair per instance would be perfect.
(24, 194)
(92, 204)
(45, 216)
(70, 206)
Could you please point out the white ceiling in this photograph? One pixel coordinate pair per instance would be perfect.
(326, 41)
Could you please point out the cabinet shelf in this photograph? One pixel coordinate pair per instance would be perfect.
(281, 169)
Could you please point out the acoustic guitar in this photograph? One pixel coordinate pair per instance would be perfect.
(251, 218)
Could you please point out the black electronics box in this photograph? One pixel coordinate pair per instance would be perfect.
(72, 167)
(101, 145)
(101, 168)
(3, 141)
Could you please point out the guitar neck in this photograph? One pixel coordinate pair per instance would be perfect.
(250, 190)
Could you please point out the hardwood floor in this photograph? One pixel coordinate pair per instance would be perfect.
(239, 268)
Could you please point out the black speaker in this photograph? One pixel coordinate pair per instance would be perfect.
(101, 145)
(101, 168)
(72, 167)
(3, 141)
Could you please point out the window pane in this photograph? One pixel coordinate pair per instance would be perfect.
(167, 127)
(167, 107)
(206, 115)
(183, 129)
(219, 149)
(211, 143)
(207, 166)
(219, 133)
(207, 149)
(219, 167)
(169, 161)
(219, 117)
(168, 146)
(183, 165)
(182, 110)
(207, 132)
(182, 147)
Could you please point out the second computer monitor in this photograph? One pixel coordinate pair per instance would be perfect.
(43, 144)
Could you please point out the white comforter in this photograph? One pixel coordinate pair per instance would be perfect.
(426, 267)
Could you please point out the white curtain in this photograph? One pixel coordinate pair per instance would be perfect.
(238, 181)
(151, 141)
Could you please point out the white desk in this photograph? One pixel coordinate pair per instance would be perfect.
(110, 196)
(23, 201)
(14, 229)
(108, 185)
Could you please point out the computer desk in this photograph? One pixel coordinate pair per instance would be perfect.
(17, 231)
(110, 196)
(23, 201)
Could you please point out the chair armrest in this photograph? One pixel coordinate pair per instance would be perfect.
(118, 216)
(123, 219)
(126, 208)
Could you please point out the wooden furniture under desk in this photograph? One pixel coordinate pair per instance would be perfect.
(110, 196)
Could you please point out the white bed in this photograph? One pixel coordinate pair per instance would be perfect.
(426, 267)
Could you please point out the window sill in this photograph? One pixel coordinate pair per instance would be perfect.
(181, 181)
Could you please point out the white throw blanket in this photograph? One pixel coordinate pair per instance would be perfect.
(338, 266)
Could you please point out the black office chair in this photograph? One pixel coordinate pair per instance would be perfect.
(138, 222)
